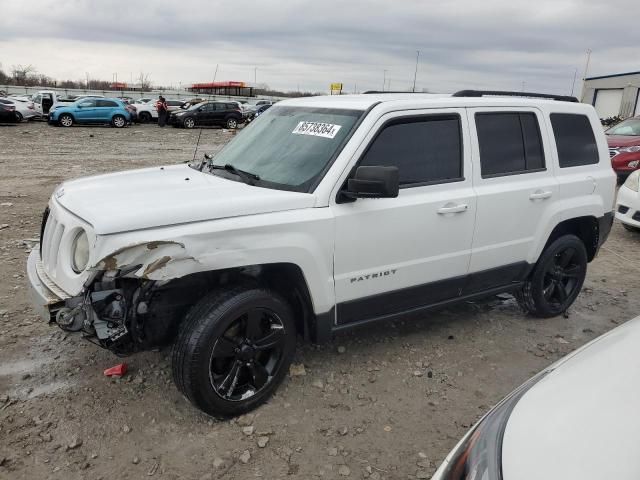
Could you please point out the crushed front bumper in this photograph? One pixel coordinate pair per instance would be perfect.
(46, 297)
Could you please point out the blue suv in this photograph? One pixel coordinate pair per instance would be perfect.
(91, 110)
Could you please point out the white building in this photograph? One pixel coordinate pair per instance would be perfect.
(612, 95)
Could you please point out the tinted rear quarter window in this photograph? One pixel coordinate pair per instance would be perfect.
(575, 140)
(425, 149)
(106, 103)
(510, 143)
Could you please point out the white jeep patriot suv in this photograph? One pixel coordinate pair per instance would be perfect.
(324, 214)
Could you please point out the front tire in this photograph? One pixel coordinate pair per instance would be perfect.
(189, 123)
(144, 117)
(119, 121)
(233, 350)
(19, 117)
(556, 279)
(65, 120)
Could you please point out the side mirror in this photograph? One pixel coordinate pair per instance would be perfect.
(374, 182)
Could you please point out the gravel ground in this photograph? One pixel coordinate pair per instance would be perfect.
(386, 402)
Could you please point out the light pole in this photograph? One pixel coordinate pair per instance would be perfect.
(255, 75)
(586, 71)
(384, 79)
(573, 85)
(415, 73)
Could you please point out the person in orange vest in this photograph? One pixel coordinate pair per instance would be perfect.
(161, 106)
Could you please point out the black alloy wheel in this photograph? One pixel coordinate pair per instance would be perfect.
(246, 356)
(562, 276)
(233, 349)
(556, 279)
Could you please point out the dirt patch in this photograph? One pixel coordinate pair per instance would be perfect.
(388, 401)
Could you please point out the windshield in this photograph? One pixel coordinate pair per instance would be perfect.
(628, 127)
(289, 146)
(196, 106)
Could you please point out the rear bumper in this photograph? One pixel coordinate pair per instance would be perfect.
(604, 228)
(44, 300)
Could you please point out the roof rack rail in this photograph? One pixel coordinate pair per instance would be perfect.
(500, 93)
(384, 91)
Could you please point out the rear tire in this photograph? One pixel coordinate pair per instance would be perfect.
(119, 121)
(19, 117)
(556, 279)
(233, 349)
(232, 123)
(65, 120)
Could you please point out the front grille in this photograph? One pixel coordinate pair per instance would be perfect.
(636, 216)
(622, 209)
(613, 152)
(50, 243)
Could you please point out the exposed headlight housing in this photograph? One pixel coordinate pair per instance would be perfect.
(633, 181)
(478, 456)
(80, 252)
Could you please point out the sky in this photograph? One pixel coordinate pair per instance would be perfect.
(306, 45)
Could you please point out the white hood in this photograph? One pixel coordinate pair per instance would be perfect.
(582, 420)
(161, 196)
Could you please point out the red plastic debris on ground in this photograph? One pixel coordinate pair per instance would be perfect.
(116, 371)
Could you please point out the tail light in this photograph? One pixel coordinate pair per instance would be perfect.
(11, 108)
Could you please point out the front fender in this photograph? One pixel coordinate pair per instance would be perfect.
(173, 252)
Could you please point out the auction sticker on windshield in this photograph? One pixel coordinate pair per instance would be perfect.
(317, 129)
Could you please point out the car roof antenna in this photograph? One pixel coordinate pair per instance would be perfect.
(196, 150)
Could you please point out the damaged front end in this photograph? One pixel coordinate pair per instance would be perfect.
(134, 298)
(125, 314)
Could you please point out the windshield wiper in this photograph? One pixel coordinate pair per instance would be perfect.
(246, 177)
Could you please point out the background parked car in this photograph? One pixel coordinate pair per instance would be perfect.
(91, 110)
(574, 420)
(23, 110)
(173, 105)
(8, 113)
(624, 146)
(225, 114)
(628, 203)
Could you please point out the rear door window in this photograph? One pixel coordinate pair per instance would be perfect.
(575, 140)
(510, 143)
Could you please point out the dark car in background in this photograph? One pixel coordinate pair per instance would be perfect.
(224, 114)
(624, 146)
(8, 113)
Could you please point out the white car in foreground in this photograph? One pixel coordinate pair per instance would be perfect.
(577, 419)
(628, 203)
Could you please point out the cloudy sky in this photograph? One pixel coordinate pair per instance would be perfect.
(306, 44)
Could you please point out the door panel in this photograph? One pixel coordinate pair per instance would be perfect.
(510, 206)
(395, 254)
(87, 112)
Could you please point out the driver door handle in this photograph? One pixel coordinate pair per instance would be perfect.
(453, 208)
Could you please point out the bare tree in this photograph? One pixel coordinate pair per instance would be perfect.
(21, 73)
(144, 81)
